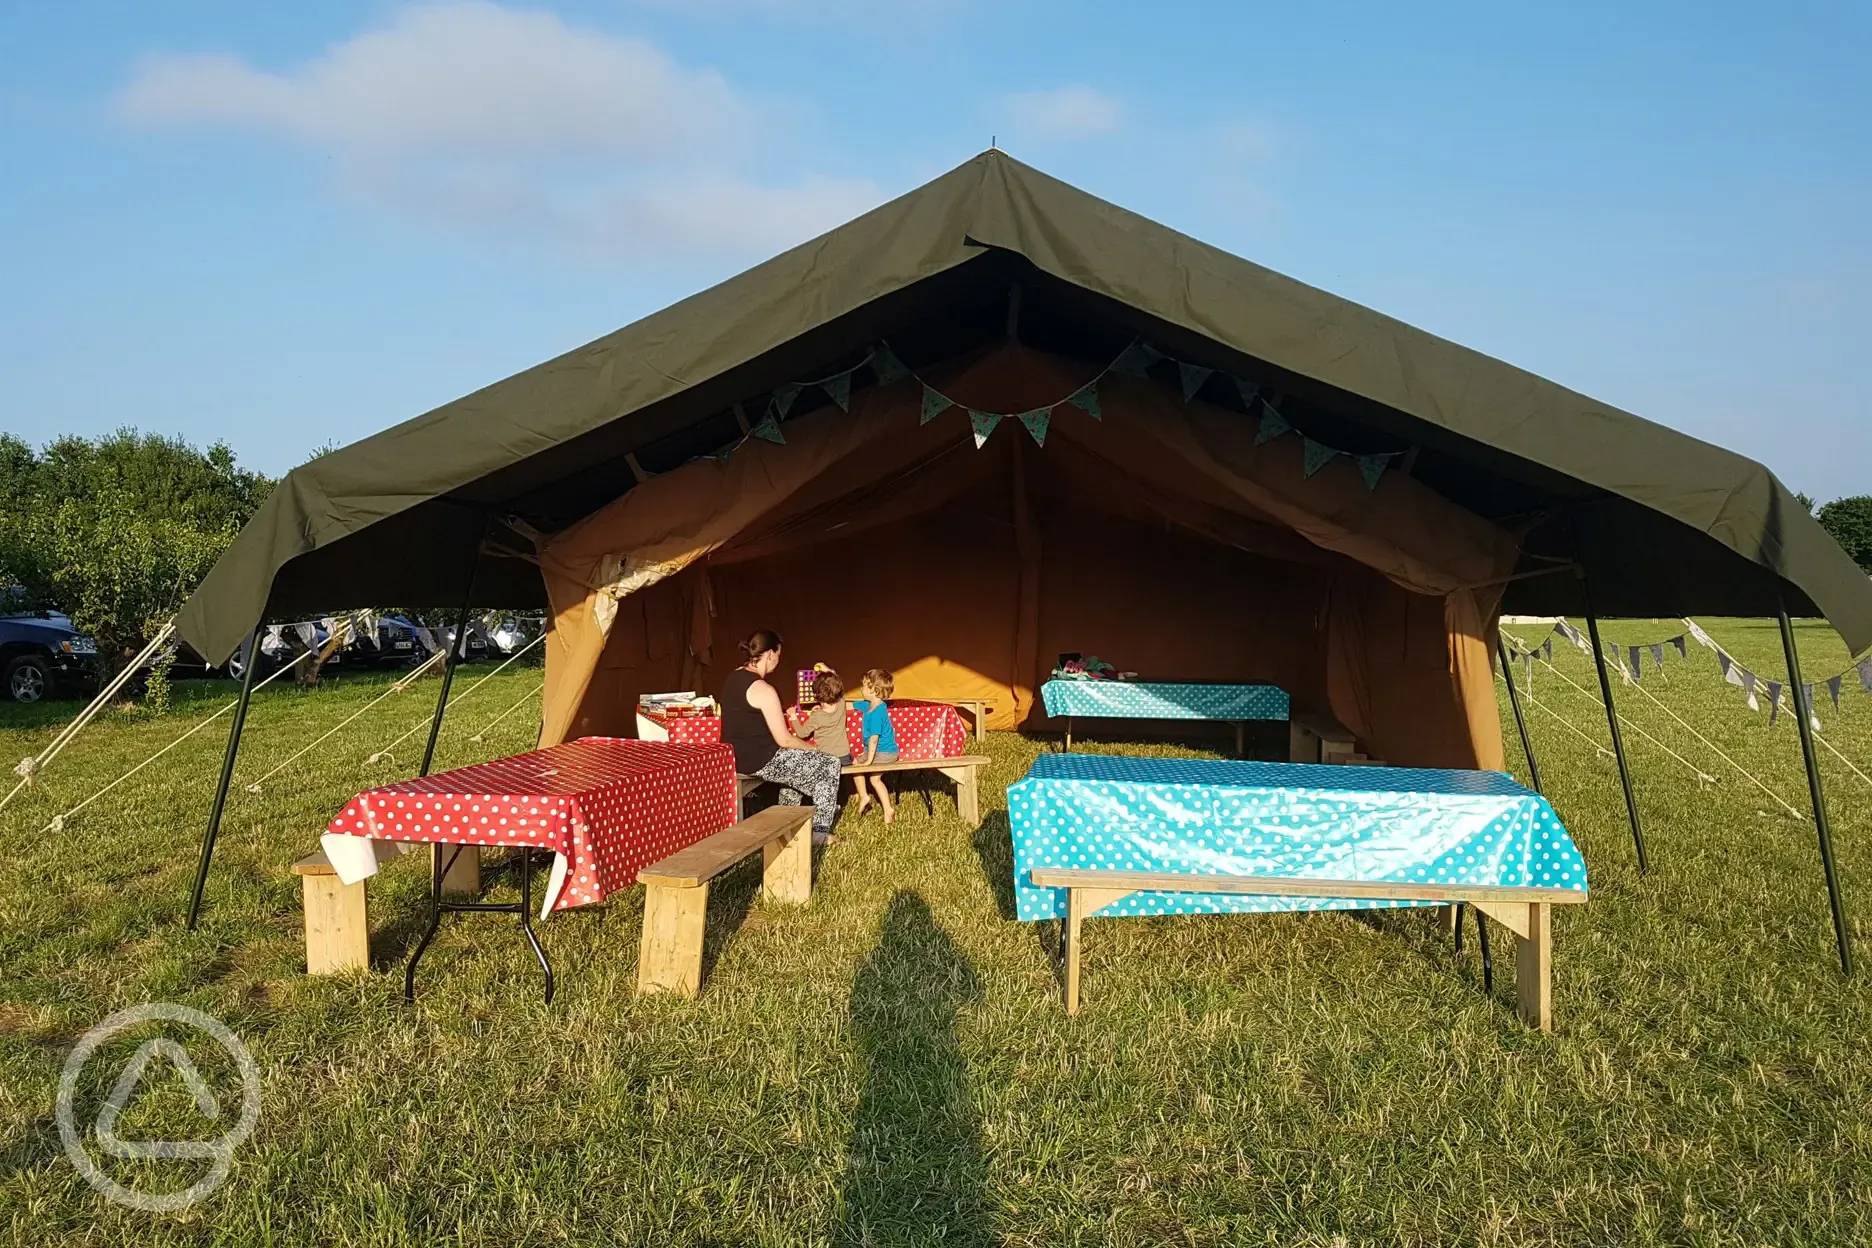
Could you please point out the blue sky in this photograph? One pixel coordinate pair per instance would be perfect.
(285, 225)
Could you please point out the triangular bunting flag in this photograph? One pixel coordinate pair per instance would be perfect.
(838, 389)
(1273, 424)
(1864, 668)
(769, 429)
(1136, 359)
(1807, 692)
(1371, 467)
(1683, 645)
(1833, 688)
(1617, 653)
(934, 405)
(1636, 656)
(886, 366)
(1728, 668)
(1248, 390)
(1546, 650)
(725, 454)
(1086, 399)
(983, 424)
(1657, 656)
(1036, 422)
(783, 399)
(1193, 376)
(1774, 700)
(1748, 687)
(1314, 456)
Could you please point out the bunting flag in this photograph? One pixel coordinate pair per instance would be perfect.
(1683, 645)
(1372, 467)
(1273, 425)
(1617, 652)
(1248, 391)
(769, 430)
(1314, 456)
(1036, 422)
(725, 454)
(983, 424)
(1833, 689)
(934, 404)
(1136, 359)
(1193, 376)
(1636, 655)
(1657, 656)
(1547, 650)
(1865, 674)
(1774, 700)
(1086, 399)
(838, 389)
(885, 365)
(1730, 671)
(1748, 687)
(783, 399)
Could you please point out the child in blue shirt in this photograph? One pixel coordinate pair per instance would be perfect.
(878, 737)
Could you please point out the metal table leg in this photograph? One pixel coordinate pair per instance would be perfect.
(437, 906)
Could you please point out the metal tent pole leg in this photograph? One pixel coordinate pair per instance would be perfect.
(1514, 700)
(249, 665)
(1618, 742)
(1803, 716)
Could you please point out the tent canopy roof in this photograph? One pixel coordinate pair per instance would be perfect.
(1662, 523)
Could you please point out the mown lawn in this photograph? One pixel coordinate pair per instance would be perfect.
(892, 1065)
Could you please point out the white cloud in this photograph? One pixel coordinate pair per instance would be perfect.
(1066, 113)
(515, 122)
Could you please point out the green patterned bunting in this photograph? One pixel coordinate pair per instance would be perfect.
(783, 399)
(838, 389)
(769, 430)
(1273, 424)
(1136, 359)
(1249, 391)
(1086, 399)
(934, 404)
(1037, 421)
(886, 366)
(1314, 456)
(1372, 467)
(1192, 376)
(983, 423)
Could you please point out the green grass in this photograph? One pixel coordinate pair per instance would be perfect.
(892, 1065)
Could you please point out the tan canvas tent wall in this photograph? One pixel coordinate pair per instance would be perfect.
(1159, 534)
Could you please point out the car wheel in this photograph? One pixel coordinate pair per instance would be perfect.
(27, 679)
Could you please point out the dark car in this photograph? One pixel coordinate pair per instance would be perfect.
(41, 655)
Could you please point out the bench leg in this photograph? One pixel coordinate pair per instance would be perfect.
(462, 869)
(1534, 967)
(1241, 746)
(1075, 916)
(968, 793)
(786, 867)
(337, 929)
(669, 956)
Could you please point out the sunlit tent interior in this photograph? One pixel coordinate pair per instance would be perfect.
(998, 419)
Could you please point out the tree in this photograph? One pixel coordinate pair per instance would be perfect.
(117, 532)
(1849, 520)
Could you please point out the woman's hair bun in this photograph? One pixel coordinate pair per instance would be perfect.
(759, 642)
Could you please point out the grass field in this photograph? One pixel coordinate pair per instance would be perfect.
(892, 1066)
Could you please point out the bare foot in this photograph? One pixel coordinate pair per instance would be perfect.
(890, 815)
(824, 838)
(864, 804)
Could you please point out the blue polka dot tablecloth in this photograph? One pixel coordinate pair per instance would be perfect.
(1294, 820)
(1148, 699)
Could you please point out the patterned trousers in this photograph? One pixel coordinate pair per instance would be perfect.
(812, 773)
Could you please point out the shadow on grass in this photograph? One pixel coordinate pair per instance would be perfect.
(994, 848)
(914, 1168)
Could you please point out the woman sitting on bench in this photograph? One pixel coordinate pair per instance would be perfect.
(753, 723)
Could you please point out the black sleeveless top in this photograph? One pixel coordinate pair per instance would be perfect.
(744, 727)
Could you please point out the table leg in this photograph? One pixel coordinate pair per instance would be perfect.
(435, 921)
(461, 870)
(1240, 746)
(526, 917)
(1488, 959)
(1534, 967)
(1068, 748)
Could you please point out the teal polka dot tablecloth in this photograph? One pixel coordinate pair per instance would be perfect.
(1293, 820)
(1149, 699)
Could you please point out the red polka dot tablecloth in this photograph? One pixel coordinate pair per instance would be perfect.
(608, 807)
(924, 729)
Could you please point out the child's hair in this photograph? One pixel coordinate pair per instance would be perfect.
(760, 641)
(880, 683)
(827, 688)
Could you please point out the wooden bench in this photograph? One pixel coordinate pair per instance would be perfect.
(964, 770)
(1320, 739)
(337, 931)
(669, 957)
(1527, 912)
(978, 712)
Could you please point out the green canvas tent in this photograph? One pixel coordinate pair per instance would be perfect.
(1663, 524)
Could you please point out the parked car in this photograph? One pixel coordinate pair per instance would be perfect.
(42, 654)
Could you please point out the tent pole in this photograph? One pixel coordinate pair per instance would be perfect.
(456, 645)
(1803, 716)
(1514, 700)
(249, 665)
(1618, 742)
